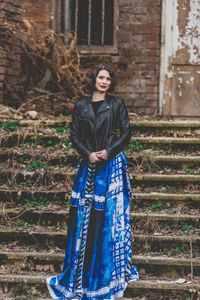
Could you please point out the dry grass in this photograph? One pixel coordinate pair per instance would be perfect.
(52, 77)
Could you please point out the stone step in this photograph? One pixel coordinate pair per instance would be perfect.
(184, 143)
(151, 288)
(145, 162)
(34, 197)
(33, 140)
(166, 128)
(39, 177)
(45, 217)
(38, 262)
(4, 297)
(167, 197)
(49, 140)
(61, 197)
(174, 160)
(23, 285)
(24, 156)
(47, 177)
(56, 122)
(136, 124)
(146, 243)
(167, 184)
(168, 217)
(141, 162)
(172, 267)
(163, 179)
(166, 244)
(59, 217)
(154, 289)
(166, 223)
(165, 124)
(21, 297)
(165, 200)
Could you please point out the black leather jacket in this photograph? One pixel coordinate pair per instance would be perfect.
(90, 134)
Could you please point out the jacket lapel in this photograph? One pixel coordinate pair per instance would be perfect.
(105, 105)
(88, 109)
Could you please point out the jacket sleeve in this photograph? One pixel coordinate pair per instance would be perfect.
(125, 132)
(75, 136)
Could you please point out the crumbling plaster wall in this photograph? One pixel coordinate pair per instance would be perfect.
(180, 55)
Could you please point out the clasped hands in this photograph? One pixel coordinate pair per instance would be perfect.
(95, 157)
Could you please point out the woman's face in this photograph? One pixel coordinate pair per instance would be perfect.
(103, 81)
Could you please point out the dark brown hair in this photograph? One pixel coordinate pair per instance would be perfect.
(95, 72)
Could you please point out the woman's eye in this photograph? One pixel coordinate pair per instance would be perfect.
(101, 77)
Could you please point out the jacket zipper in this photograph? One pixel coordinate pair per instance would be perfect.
(95, 129)
(110, 125)
(95, 133)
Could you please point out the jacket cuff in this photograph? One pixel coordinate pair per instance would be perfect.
(109, 151)
(86, 153)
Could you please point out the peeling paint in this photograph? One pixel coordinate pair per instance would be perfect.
(180, 58)
(192, 79)
(180, 79)
(191, 31)
(182, 31)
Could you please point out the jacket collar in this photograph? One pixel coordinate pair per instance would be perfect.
(88, 109)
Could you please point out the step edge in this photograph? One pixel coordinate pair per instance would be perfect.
(150, 284)
(139, 258)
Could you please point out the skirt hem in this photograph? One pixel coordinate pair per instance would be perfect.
(88, 294)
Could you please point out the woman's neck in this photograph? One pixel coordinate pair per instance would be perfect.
(98, 96)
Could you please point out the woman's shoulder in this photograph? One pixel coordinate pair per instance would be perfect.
(82, 101)
(116, 100)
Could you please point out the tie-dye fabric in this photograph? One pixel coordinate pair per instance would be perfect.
(98, 255)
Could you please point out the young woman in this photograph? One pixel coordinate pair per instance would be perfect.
(98, 255)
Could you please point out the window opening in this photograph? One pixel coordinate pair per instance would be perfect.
(91, 21)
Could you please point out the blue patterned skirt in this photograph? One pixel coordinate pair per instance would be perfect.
(98, 255)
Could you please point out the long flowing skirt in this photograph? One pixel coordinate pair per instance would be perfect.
(98, 255)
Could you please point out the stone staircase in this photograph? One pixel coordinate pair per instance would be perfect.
(36, 175)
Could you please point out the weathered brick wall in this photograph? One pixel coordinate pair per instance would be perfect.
(10, 61)
(38, 12)
(139, 54)
(136, 62)
(138, 59)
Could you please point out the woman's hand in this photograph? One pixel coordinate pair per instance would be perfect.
(93, 158)
(102, 155)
